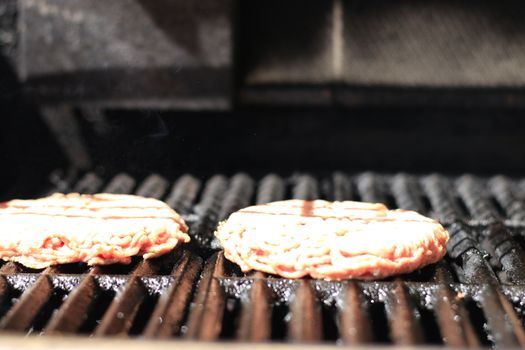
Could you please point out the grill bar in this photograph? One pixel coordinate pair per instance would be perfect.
(207, 210)
(4, 287)
(183, 194)
(514, 320)
(508, 253)
(305, 187)
(238, 195)
(495, 238)
(255, 321)
(168, 315)
(504, 190)
(497, 320)
(21, 315)
(75, 309)
(404, 329)
(453, 320)
(370, 188)
(441, 196)
(272, 188)
(10, 268)
(474, 196)
(153, 186)
(407, 193)
(205, 319)
(305, 322)
(120, 315)
(342, 187)
(90, 183)
(121, 183)
(452, 317)
(354, 322)
(443, 273)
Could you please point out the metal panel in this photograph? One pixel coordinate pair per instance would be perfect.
(127, 53)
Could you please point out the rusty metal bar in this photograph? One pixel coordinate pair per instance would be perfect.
(404, 328)
(168, 315)
(515, 321)
(20, 316)
(119, 317)
(498, 322)
(255, 321)
(4, 287)
(206, 313)
(74, 312)
(306, 322)
(10, 268)
(354, 322)
(452, 318)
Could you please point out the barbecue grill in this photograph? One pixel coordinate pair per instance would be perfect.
(212, 106)
(474, 297)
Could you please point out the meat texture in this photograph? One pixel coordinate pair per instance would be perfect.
(96, 229)
(331, 240)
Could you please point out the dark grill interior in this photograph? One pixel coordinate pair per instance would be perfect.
(474, 297)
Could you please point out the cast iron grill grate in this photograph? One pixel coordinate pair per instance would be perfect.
(474, 297)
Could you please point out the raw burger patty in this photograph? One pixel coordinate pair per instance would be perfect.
(96, 229)
(331, 240)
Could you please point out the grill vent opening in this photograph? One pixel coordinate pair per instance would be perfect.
(430, 327)
(230, 321)
(280, 315)
(379, 322)
(98, 307)
(51, 306)
(329, 320)
(143, 314)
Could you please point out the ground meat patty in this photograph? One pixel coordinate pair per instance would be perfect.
(95, 229)
(331, 240)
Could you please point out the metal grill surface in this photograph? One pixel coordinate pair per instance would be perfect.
(474, 297)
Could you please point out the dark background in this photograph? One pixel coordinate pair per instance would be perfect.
(448, 123)
(451, 140)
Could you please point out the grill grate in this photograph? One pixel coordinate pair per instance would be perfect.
(474, 297)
